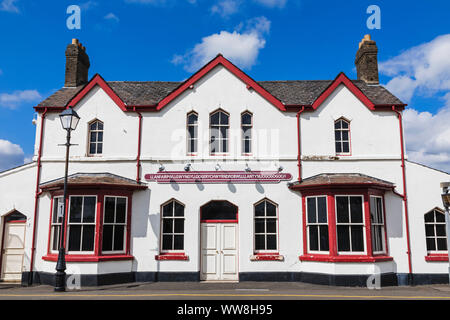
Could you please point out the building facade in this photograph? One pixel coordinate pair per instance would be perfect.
(223, 178)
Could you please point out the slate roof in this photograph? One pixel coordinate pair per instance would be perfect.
(293, 92)
(97, 179)
(341, 179)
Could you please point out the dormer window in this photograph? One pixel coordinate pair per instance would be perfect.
(342, 136)
(95, 138)
(219, 127)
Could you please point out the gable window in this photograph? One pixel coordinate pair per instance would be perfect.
(56, 222)
(317, 224)
(172, 226)
(219, 127)
(96, 137)
(266, 226)
(81, 224)
(342, 136)
(114, 224)
(435, 232)
(246, 126)
(350, 224)
(377, 224)
(192, 133)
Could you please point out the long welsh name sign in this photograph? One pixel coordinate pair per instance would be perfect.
(219, 177)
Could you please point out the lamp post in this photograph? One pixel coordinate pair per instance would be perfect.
(69, 121)
(446, 201)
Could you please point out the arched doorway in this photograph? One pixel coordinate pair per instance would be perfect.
(13, 246)
(219, 241)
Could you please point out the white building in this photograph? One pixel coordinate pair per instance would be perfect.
(224, 178)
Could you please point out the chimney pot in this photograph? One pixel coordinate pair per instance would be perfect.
(77, 65)
(366, 61)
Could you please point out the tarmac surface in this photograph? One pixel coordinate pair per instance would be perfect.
(225, 291)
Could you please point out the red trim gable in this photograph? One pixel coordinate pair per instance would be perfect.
(343, 79)
(97, 80)
(251, 84)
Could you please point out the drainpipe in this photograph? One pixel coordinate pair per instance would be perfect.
(404, 195)
(36, 198)
(299, 156)
(138, 158)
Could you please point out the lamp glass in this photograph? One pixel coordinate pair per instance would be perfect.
(446, 200)
(69, 119)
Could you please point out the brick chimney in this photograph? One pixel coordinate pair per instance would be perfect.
(367, 61)
(77, 64)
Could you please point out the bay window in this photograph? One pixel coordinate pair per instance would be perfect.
(350, 224)
(81, 224)
(58, 207)
(114, 224)
(377, 224)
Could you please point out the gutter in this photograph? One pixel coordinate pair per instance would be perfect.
(404, 195)
(36, 198)
(138, 158)
(299, 156)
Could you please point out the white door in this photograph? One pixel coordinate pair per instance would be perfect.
(13, 251)
(219, 259)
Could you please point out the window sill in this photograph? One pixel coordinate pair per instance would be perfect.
(172, 256)
(347, 258)
(436, 257)
(89, 258)
(267, 257)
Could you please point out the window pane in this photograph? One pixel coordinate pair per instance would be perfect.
(356, 209)
(431, 244)
(271, 242)
(338, 147)
(345, 147)
(94, 126)
(259, 209)
(121, 210)
(260, 242)
(167, 242)
(107, 238)
(337, 124)
(247, 133)
(215, 145)
(168, 210)
(271, 225)
(223, 132)
(357, 238)
(100, 137)
(311, 208)
(440, 217)
(215, 118)
(313, 238)
(380, 210)
(119, 234)
(92, 148)
(99, 148)
(192, 119)
(56, 204)
(74, 238)
(88, 238)
(93, 136)
(429, 230)
(440, 230)
(271, 209)
(179, 225)
(246, 119)
(191, 132)
(441, 244)
(178, 242)
(429, 217)
(193, 146)
(260, 226)
(75, 209)
(219, 210)
(109, 209)
(224, 146)
(89, 209)
(345, 135)
(167, 225)
(337, 135)
(324, 243)
(99, 125)
(343, 237)
(247, 144)
(344, 124)
(223, 118)
(322, 209)
(342, 209)
(55, 240)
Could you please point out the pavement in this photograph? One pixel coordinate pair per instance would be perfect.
(225, 291)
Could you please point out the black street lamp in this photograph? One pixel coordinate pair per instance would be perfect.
(69, 121)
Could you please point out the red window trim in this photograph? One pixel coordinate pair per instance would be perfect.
(333, 255)
(89, 258)
(436, 257)
(267, 257)
(172, 256)
(97, 255)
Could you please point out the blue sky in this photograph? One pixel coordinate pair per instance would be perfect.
(146, 40)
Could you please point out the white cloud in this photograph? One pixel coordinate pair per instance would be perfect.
(241, 47)
(272, 3)
(11, 155)
(8, 6)
(226, 8)
(88, 5)
(112, 17)
(13, 100)
(424, 68)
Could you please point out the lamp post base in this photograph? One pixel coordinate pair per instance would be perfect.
(60, 276)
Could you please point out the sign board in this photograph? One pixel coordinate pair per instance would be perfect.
(219, 177)
(60, 213)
